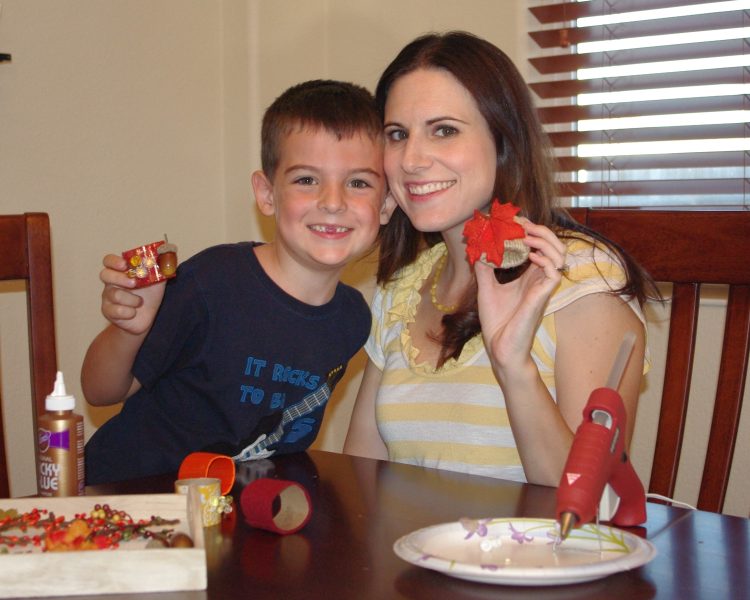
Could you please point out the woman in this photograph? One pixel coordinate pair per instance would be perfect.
(461, 130)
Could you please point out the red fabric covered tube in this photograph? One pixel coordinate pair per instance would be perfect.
(293, 509)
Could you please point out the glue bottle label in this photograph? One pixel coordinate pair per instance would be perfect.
(60, 467)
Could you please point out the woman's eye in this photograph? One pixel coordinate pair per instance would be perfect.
(306, 180)
(395, 135)
(445, 131)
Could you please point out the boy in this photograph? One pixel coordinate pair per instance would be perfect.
(239, 353)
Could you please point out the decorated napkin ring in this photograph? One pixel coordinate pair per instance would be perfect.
(152, 263)
(213, 505)
(497, 240)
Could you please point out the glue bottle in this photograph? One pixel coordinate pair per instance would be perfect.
(60, 459)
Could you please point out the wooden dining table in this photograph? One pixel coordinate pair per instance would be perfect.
(360, 507)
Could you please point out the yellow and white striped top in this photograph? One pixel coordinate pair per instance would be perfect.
(455, 418)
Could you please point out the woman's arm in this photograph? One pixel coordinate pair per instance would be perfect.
(363, 438)
(589, 333)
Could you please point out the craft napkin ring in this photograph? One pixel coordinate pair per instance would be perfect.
(207, 490)
(276, 505)
(151, 263)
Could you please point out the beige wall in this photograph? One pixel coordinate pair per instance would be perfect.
(111, 120)
(126, 119)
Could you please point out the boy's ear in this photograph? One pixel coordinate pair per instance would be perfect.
(389, 205)
(263, 189)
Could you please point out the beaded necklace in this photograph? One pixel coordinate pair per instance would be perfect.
(433, 288)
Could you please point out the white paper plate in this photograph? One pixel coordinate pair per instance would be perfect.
(523, 551)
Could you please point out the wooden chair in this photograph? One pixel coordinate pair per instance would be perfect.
(25, 251)
(689, 248)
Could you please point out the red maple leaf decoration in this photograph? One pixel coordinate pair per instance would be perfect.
(486, 234)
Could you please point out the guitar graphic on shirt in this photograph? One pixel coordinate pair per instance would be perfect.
(258, 449)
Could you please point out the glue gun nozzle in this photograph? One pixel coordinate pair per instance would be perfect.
(568, 520)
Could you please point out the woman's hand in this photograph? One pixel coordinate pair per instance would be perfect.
(132, 310)
(510, 313)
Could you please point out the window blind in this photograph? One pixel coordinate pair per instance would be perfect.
(645, 101)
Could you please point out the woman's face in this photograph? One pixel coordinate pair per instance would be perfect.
(440, 157)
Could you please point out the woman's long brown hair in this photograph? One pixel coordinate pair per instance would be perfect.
(525, 167)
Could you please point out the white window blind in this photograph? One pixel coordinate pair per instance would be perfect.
(645, 101)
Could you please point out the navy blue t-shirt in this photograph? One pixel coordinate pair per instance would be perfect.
(231, 360)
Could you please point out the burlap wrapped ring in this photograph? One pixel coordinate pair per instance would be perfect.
(515, 253)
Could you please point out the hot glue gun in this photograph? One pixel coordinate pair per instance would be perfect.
(597, 458)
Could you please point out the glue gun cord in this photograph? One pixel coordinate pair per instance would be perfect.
(671, 501)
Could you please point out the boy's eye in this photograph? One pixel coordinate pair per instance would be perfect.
(445, 131)
(395, 135)
(359, 184)
(305, 180)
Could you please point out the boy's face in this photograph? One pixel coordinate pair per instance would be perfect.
(327, 197)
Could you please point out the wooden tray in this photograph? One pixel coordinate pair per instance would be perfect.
(131, 568)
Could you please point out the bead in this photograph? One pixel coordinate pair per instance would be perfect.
(168, 263)
(433, 288)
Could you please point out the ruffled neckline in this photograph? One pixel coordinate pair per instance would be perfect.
(406, 299)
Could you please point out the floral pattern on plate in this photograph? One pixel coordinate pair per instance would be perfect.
(523, 551)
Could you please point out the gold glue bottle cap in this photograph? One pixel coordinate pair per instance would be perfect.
(59, 399)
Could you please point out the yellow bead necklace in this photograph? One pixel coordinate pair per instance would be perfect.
(433, 288)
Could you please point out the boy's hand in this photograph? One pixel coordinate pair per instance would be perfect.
(132, 310)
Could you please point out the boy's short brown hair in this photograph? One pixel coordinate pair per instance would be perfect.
(341, 108)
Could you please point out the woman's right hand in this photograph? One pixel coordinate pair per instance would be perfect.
(129, 308)
(510, 313)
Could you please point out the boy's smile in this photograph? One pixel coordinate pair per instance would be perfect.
(327, 197)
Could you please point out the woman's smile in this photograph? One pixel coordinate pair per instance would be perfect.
(422, 189)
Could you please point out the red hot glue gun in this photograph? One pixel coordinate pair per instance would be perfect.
(597, 458)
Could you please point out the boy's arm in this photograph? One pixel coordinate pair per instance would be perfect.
(363, 438)
(106, 375)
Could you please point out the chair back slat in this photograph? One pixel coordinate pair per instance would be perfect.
(730, 388)
(678, 373)
(26, 251)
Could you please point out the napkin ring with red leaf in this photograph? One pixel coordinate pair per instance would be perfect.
(496, 239)
(152, 263)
